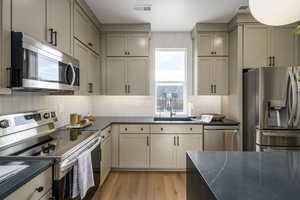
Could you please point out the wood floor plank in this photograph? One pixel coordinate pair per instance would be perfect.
(143, 186)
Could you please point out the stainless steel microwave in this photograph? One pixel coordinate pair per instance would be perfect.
(36, 66)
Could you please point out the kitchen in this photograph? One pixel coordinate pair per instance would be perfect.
(125, 90)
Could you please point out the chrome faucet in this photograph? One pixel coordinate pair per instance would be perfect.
(171, 104)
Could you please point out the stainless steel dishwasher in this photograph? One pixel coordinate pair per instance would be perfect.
(220, 138)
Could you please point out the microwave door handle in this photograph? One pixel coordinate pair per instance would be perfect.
(74, 74)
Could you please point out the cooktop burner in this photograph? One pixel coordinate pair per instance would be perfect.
(65, 141)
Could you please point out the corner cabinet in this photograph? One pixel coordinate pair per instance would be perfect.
(127, 76)
(89, 69)
(212, 76)
(84, 29)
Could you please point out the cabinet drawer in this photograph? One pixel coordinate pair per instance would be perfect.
(176, 129)
(106, 132)
(29, 192)
(130, 128)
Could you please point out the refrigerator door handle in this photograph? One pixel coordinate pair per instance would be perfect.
(292, 100)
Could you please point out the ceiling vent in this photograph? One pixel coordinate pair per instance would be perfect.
(243, 9)
(142, 7)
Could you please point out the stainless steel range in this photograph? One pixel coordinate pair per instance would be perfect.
(35, 134)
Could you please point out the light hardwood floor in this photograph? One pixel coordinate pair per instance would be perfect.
(143, 186)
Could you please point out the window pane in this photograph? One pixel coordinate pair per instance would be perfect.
(170, 65)
(170, 96)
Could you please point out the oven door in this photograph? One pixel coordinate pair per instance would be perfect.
(43, 72)
(61, 186)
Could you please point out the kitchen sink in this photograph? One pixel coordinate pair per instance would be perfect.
(173, 119)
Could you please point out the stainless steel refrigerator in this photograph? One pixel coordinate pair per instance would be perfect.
(271, 109)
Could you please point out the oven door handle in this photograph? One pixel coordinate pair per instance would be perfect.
(70, 163)
(280, 134)
(74, 74)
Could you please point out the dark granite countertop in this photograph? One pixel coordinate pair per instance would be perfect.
(36, 166)
(250, 175)
(103, 122)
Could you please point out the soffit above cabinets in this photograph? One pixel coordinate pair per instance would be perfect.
(166, 15)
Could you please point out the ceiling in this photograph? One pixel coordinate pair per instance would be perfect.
(166, 15)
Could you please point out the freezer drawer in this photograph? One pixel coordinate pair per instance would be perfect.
(220, 140)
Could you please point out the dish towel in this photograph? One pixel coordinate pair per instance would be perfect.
(83, 178)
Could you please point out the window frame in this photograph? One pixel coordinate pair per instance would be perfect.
(184, 82)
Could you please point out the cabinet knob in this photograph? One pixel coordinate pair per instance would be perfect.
(191, 129)
(142, 129)
(161, 129)
(90, 44)
(40, 189)
(126, 129)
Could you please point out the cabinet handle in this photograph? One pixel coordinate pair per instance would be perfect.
(178, 141)
(126, 129)
(191, 129)
(174, 140)
(161, 129)
(142, 129)
(215, 89)
(128, 53)
(51, 35)
(55, 40)
(270, 61)
(211, 89)
(147, 140)
(125, 52)
(273, 59)
(128, 89)
(90, 88)
(90, 44)
(40, 189)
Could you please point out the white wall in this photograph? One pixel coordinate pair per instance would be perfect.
(63, 105)
(144, 106)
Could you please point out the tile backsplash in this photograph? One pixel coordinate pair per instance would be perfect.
(63, 105)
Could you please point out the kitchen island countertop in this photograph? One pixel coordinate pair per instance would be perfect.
(243, 175)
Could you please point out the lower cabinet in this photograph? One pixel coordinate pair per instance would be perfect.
(187, 143)
(163, 151)
(155, 147)
(106, 155)
(134, 151)
(29, 191)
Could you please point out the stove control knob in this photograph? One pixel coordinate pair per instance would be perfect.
(4, 124)
(46, 116)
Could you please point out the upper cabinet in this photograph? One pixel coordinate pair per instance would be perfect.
(30, 17)
(132, 44)
(121, 76)
(212, 76)
(269, 46)
(47, 21)
(89, 69)
(85, 31)
(59, 24)
(213, 44)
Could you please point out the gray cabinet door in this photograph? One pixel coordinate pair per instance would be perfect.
(59, 19)
(204, 76)
(30, 17)
(137, 45)
(283, 44)
(116, 45)
(256, 49)
(220, 76)
(137, 76)
(81, 52)
(94, 74)
(115, 76)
